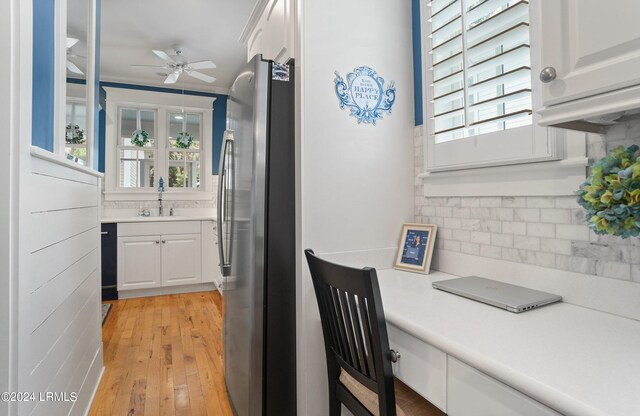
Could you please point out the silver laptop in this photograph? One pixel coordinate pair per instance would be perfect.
(503, 295)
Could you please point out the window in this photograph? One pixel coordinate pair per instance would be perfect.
(481, 67)
(76, 131)
(184, 164)
(136, 164)
(179, 147)
(481, 60)
(480, 89)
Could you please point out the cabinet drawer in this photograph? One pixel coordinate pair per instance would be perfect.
(158, 228)
(472, 393)
(421, 366)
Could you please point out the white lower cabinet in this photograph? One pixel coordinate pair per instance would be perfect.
(153, 255)
(472, 393)
(421, 367)
(181, 260)
(139, 262)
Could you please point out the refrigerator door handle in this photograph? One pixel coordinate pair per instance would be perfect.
(227, 150)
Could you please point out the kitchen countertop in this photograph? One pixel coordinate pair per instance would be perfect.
(159, 219)
(575, 360)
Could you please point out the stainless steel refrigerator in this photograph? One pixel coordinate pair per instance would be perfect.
(256, 241)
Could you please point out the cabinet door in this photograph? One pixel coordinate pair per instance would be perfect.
(472, 393)
(181, 260)
(138, 262)
(594, 47)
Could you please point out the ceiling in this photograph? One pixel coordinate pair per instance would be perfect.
(204, 29)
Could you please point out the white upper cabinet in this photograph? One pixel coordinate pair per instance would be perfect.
(269, 31)
(590, 59)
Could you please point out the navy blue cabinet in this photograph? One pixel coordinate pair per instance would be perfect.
(109, 261)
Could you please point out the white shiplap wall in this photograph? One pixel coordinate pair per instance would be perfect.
(60, 346)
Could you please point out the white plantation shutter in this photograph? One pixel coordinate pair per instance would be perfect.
(479, 66)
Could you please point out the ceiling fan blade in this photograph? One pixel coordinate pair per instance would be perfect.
(202, 65)
(172, 78)
(73, 68)
(201, 76)
(71, 42)
(164, 56)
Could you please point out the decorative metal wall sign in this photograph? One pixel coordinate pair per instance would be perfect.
(365, 95)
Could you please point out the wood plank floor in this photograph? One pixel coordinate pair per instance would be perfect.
(163, 356)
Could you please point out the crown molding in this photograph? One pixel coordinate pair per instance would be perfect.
(254, 18)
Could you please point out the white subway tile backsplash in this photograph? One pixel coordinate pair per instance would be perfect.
(491, 251)
(526, 214)
(541, 230)
(480, 237)
(555, 216)
(572, 232)
(551, 245)
(502, 240)
(514, 201)
(470, 248)
(526, 243)
(519, 228)
(615, 270)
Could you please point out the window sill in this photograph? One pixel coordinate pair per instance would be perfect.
(554, 178)
(139, 195)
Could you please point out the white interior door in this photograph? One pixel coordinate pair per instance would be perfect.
(181, 260)
(138, 262)
(594, 47)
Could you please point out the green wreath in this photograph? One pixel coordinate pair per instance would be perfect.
(611, 195)
(74, 134)
(184, 140)
(140, 138)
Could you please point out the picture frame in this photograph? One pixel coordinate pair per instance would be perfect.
(415, 248)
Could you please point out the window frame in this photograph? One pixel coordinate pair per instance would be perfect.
(164, 104)
(532, 143)
(169, 149)
(474, 165)
(120, 146)
(75, 102)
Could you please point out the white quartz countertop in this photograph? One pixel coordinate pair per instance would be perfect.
(575, 360)
(159, 219)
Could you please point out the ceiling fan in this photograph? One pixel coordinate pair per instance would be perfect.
(179, 65)
(70, 65)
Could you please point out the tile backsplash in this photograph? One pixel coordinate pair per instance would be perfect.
(543, 231)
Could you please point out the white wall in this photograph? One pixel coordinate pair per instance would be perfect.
(60, 337)
(356, 180)
(8, 118)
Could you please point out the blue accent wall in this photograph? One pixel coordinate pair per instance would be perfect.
(98, 125)
(219, 126)
(43, 84)
(219, 115)
(417, 63)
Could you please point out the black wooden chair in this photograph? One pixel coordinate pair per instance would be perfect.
(357, 346)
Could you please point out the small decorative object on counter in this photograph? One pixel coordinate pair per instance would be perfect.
(611, 195)
(184, 140)
(74, 135)
(140, 138)
(161, 185)
(416, 247)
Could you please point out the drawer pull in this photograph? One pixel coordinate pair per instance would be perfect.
(104, 232)
(394, 356)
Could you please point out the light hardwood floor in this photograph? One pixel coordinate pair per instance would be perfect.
(163, 356)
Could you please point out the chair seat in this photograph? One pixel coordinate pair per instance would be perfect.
(408, 402)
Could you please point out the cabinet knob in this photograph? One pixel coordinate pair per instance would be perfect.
(548, 74)
(157, 241)
(394, 356)
(164, 241)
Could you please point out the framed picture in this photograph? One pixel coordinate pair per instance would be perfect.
(416, 247)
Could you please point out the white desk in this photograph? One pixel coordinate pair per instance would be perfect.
(575, 360)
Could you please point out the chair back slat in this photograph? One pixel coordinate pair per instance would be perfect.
(353, 325)
(367, 337)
